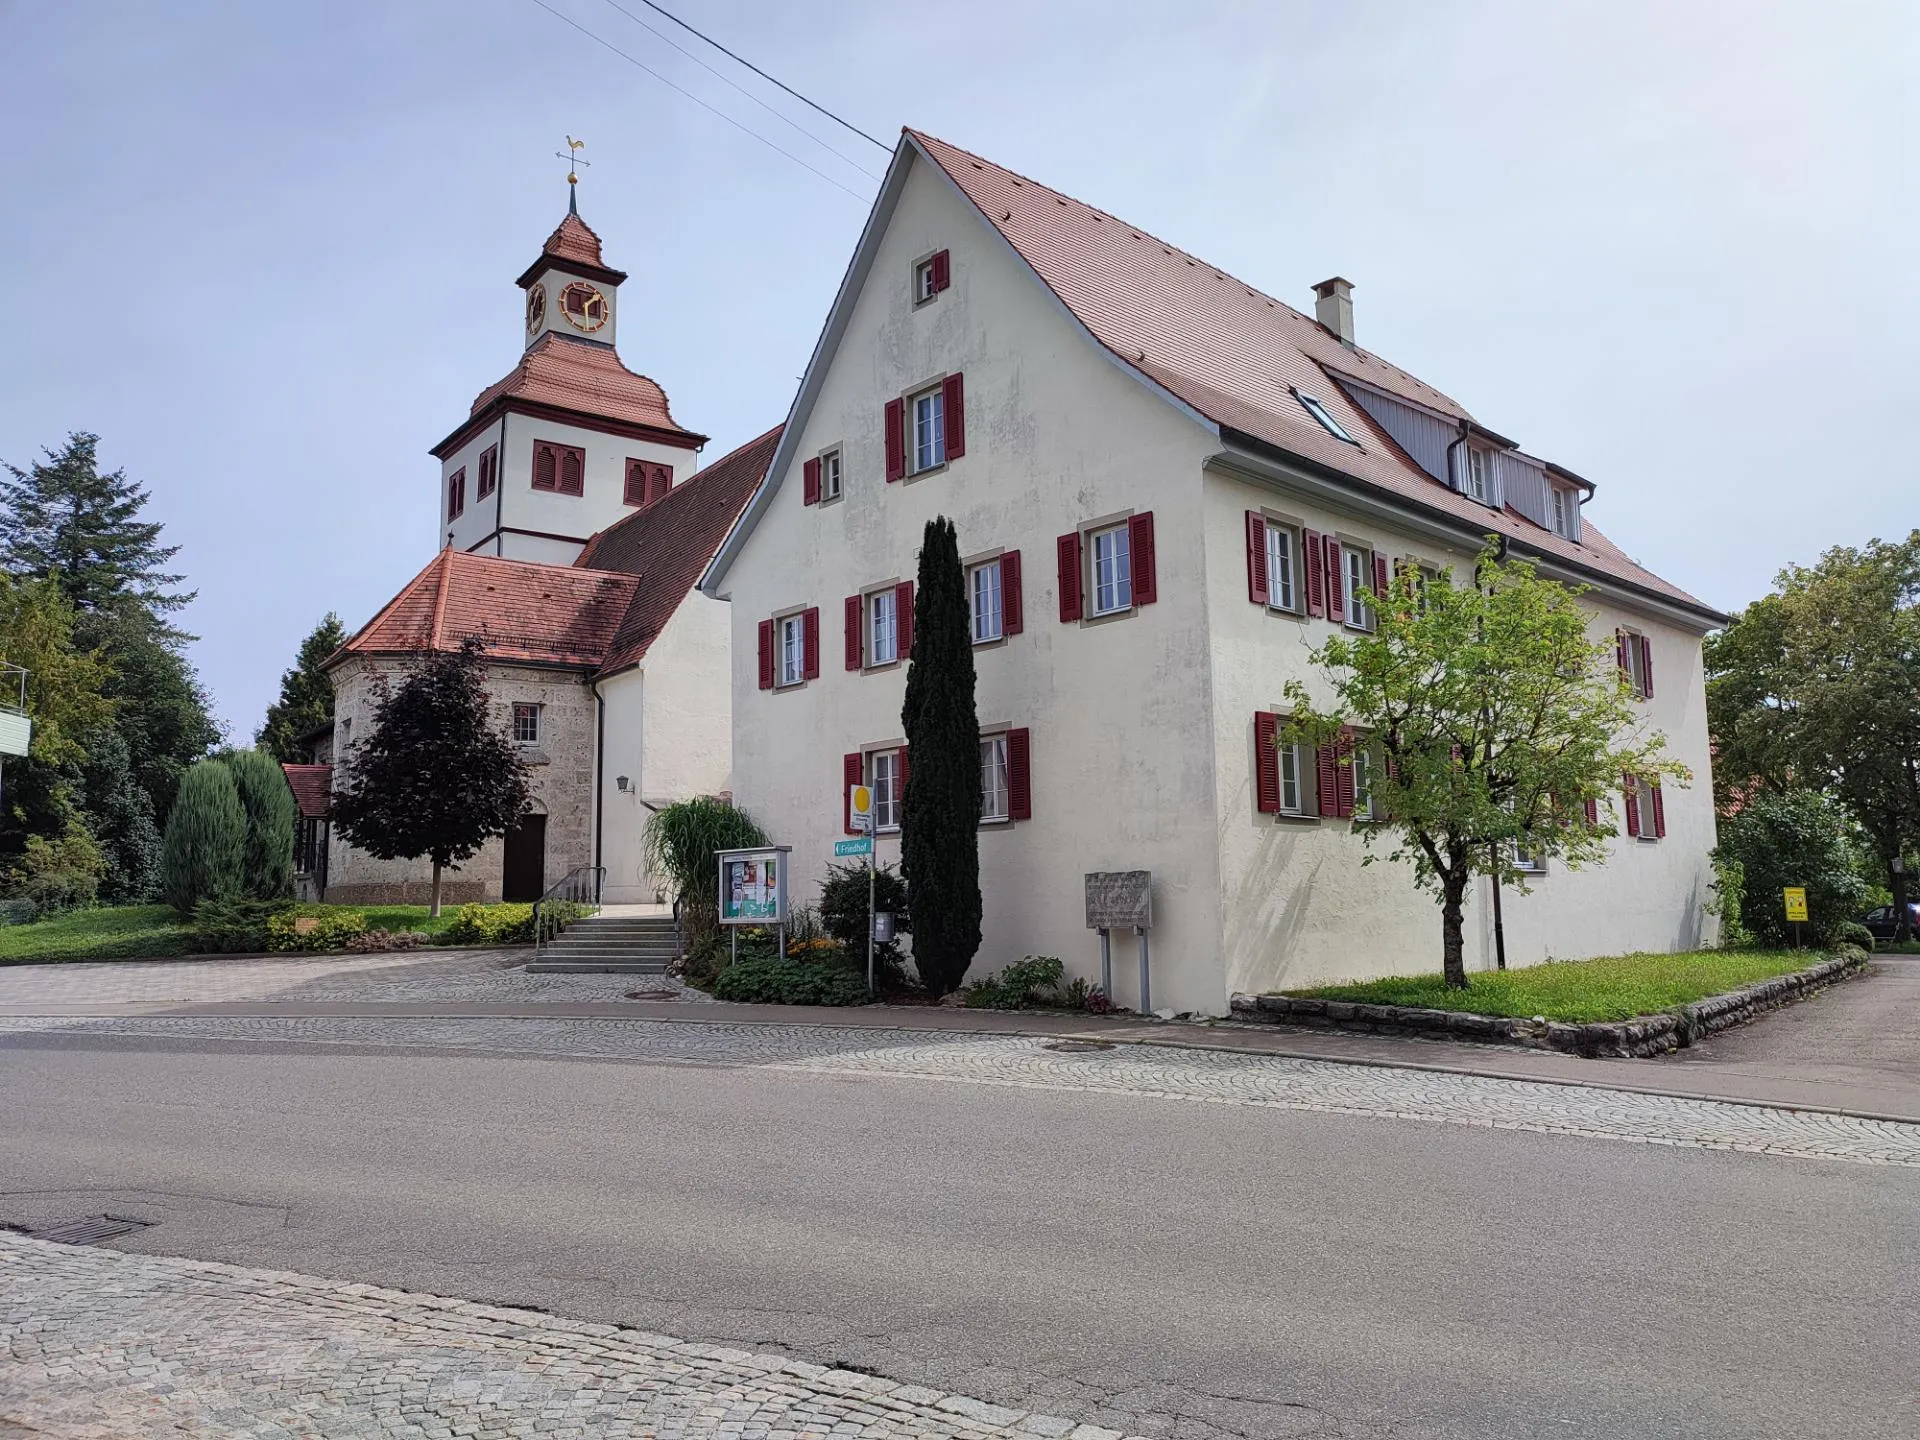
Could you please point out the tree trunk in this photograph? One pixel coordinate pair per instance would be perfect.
(1452, 940)
(433, 908)
(1901, 929)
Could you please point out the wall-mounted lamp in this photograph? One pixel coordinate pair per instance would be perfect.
(622, 782)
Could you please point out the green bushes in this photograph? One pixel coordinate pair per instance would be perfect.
(235, 927)
(313, 927)
(769, 980)
(202, 854)
(266, 857)
(1794, 837)
(490, 925)
(1022, 985)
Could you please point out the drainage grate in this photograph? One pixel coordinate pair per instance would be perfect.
(91, 1231)
(1075, 1046)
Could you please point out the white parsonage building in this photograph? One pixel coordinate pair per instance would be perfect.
(1168, 487)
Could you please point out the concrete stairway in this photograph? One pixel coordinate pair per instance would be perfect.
(610, 945)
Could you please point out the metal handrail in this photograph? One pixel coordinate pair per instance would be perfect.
(573, 896)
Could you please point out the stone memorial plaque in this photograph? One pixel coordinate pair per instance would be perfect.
(1119, 900)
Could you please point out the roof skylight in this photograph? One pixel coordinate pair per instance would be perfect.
(1319, 412)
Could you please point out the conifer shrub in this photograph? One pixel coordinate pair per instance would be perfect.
(202, 855)
(235, 927)
(266, 868)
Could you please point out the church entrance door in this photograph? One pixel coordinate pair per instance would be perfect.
(523, 874)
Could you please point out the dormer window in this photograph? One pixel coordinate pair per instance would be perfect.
(1320, 412)
(1479, 480)
(1565, 513)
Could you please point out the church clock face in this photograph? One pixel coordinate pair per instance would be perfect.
(536, 306)
(584, 307)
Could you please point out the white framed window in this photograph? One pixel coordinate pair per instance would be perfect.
(1292, 794)
(1112, 571)
(830, 475)
(925, 281)
(1637, 662)
(1358, 565)
(883, 774)
(1320, 412)
(1649, 821)
(984, 601)
(791, 651)
(1565, 513)
(994, 793)
(883, 627)
(1362, 783)
(1283, 553)
(929, 430)
(1478, 484)
(1531, 861)
(526, 724)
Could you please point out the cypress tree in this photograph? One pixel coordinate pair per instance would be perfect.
(266, 864)
(121, 819)
(940, 815)
(206, 839)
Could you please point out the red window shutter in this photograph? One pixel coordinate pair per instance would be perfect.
(1019, 776)
(856, 614)
(810, 632)
(1620, 651)
(1316, 547)
(1633, 804)
(456, 500)
(573, 469)
(1013, 614)
(766, 654)
(1382, 583)
(1646, 672)
(1336, 582)
(853, 771)
(1593, 811)
(953, 407)
(636, 487)
(1068, 547)
(903, 619)
(1343, 775)
(894, 418)
(489, 471)
(1266, 761)
(1146, 587)
(659, 481)
(810, 482)
(1327, 765)
(942, 269)
(1659, 812)
(546, 466)
(1256, 559)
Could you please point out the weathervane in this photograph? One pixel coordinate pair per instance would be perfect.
(572, 156)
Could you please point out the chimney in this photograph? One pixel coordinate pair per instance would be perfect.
(1333, 308)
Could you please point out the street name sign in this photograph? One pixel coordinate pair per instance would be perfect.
(862, 846)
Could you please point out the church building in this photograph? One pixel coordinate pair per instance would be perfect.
(573, 522)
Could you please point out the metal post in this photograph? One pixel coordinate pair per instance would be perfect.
(783, 942)
(733, 934)
(1499, 921)
(869, 911)
(1146, 989)
(1106, 963)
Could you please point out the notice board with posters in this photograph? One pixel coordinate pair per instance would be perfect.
(753, 886)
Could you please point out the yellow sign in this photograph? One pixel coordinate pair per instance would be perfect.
(860, 807)
(1796, 902)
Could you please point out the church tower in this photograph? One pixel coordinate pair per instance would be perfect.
(571, 440)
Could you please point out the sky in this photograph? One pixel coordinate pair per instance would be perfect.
(266, 250)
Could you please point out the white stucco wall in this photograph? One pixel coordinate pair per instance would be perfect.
(1118, 711)
(1302, 909)
(669, 731)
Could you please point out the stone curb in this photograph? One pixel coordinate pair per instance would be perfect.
(1638, 1038)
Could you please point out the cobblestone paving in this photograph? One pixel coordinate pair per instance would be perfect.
(454, 976)
(99, 1345)
(1134, 1070)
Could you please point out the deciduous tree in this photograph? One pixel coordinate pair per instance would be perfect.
(435, 776)
(1490, 721)
(940, 814)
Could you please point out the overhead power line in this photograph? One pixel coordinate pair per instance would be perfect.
(729, 80)
(704, 105)
(761, 73)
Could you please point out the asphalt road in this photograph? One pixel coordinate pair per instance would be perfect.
(1165, 1266)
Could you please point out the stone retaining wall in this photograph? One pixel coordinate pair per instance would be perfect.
(1640, 1037)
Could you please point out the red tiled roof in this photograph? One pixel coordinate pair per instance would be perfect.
(520, 610)
(573, 239)
(668, 543)
(312, 787)
(581, 375)
(1232, 352)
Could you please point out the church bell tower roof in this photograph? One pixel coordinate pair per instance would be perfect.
(574, 248)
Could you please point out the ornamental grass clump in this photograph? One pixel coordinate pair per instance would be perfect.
(682, 843)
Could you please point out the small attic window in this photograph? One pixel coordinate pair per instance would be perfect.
(1319, 412)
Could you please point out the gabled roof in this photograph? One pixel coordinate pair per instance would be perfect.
(588, 378)
(1225, 352)
(520, 611)
(573, 247)
(667, 544)
(312, 787)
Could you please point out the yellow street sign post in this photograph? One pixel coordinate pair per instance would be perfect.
(1796, 897)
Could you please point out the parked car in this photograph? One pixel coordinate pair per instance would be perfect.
(1880, 921)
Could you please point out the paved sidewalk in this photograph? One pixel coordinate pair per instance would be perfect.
(100, 1345)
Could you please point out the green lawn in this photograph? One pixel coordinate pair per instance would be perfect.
(126, 932)
(405, 917)
(1618, 987)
